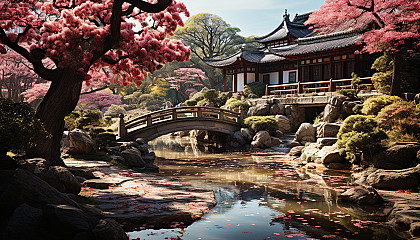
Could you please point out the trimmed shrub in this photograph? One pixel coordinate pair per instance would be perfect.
(90, 118)
(383, 77)
(357, 109)
(402, 120)
(222, 98)
(235, 103)
(114, 111)
(211, 95)
(191, 102)
(372, 106)
(19, 128)
(259, 123)
(257, 88)
(360, 133)
(202, 102)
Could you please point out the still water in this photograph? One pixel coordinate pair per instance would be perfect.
(263, 196)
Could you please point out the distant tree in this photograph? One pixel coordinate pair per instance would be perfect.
(397, 31)
(187, 81)
(16, 76)
(100, 100)
(209, 36)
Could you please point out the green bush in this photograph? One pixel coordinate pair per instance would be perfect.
(191, 102)
(90, 118)
(19, 128)
(103, 137)
(259, 123)
(202, 102)
(257, 88)
(360, 133)
(114, 111)
(236, 104)
(357, 109)
(350, 93)
(373, 105)
(211, 95)
(222, 98)
(383, 77)
(402, 120)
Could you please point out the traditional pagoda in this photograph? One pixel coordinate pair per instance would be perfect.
(294, 53)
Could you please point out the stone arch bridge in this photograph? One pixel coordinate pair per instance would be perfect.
(158, 123)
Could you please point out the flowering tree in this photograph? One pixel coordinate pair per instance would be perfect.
(78, 35)
(15, 75)
(187, 81)
(100, 100)
(397, 31)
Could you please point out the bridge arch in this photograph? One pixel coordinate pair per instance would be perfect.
(155, 124)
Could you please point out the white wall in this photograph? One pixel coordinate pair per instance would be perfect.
(250, 77)
(274, 77)
(240, 83)
(286, 76)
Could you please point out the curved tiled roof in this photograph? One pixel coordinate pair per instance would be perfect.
(297, 29)
(250, 55)
(319, 43)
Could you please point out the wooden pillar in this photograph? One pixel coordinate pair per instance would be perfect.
(257, 72)
(267, 91)
(149, 120)
(245, 75)
(299, 88)
(174, 114)
(235, 82)
(199, 112)
(224, 81)
(331, 87)
(122, 131)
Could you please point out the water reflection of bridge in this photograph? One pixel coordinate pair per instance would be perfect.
(155, 124)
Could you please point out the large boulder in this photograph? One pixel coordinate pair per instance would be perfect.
(361, 195)
(81, 143)
(237, 137)
(395, 179)
(348, 106)
(336, 101)
(247, 133)
(70, 182)
(277, 109)
(332, 157)
(331, 113)
(261, 139)
(262, 109)
(109, 229)
(328, 129)
(296, 151)
(328, 141)
(283, 122)
(397, 157)
(306, 132)
(133, 158)
(309, 153)
(32, 209)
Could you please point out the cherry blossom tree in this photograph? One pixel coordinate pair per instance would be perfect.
(396, 31)
(100, 100)
(78, 35)
(16, 75)
(187, 81)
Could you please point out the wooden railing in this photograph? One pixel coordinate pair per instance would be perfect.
(308, 87)
(179, 113)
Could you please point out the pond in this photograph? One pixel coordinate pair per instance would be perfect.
(263, 195)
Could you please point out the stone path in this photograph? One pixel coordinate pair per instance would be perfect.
(135, 199)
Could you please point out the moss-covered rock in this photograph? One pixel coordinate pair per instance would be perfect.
(262, 123)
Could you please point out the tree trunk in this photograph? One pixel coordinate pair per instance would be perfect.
(396, 75)
(60, 100)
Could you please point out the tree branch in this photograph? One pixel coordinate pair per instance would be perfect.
(149, 7)
(35, 57)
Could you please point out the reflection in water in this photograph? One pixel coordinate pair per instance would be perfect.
(263, 196)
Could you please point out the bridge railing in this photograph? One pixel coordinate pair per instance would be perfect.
(178, 113)
(308, 87)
